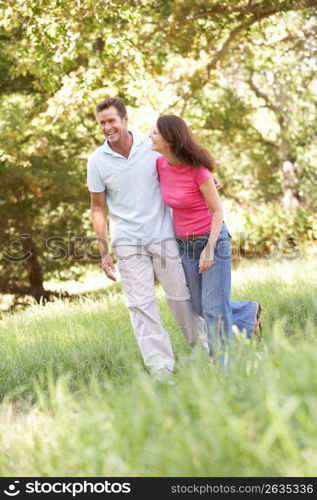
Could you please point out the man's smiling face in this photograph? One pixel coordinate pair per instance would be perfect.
(113, 126)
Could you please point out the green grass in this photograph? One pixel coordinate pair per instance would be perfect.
(76, 400)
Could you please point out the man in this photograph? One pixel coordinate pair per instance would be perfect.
(122, 174)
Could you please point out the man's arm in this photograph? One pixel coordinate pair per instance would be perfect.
(99, 221)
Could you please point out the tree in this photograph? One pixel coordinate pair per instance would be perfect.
(207, 60)
(54, 55)
(240, 58)
(284, 81)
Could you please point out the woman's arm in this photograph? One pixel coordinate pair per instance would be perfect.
(209, 191)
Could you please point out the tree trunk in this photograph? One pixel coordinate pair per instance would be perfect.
(33, 267)
(290, 181)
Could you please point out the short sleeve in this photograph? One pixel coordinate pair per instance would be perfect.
(159, 162)
(202, 175)
(94, 181)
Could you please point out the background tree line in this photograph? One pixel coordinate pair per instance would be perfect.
(243, 74)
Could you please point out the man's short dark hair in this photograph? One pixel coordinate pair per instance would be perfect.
(116, 102)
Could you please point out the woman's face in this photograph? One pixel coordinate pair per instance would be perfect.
(159, 144)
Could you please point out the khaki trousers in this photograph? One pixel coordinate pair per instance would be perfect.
(138, 265)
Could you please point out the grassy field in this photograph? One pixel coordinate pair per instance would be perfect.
(76, 400)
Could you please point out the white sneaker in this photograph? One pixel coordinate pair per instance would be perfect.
(163, 376)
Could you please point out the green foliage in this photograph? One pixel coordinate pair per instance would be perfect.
(58, 58)
(247, 166)
(54, 54)
(251, 57)
(269, 232)
(43, 183)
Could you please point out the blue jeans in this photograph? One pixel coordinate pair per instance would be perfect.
(211, 290)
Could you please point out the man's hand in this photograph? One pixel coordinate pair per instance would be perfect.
(217, 184)
(206, 259)
(108, 266)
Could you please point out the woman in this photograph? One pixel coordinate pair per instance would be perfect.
(188, 187)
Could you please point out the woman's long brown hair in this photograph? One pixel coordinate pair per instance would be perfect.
(182, 143)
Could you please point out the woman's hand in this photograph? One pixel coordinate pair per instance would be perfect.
(206, 258)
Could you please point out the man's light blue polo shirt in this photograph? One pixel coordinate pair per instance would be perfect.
(137, 214)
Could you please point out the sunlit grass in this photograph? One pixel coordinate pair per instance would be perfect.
(76, 400)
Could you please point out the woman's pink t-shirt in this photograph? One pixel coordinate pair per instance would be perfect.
(180, 191)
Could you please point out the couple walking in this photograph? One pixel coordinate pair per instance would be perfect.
(141, 178)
